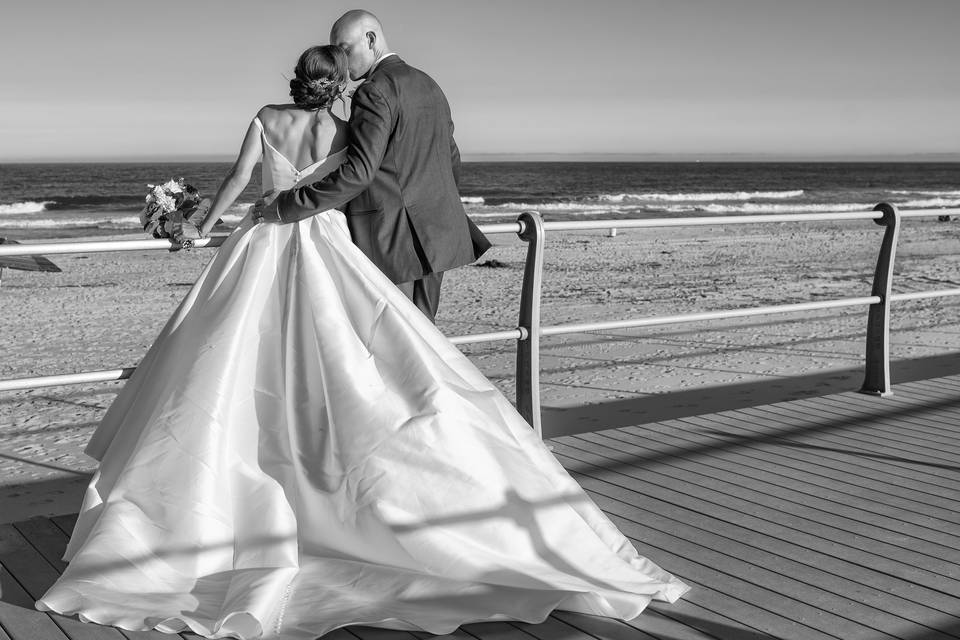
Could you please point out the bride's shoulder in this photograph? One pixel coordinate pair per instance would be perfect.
(271, 114)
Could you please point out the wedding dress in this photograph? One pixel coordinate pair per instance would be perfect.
(301, 450)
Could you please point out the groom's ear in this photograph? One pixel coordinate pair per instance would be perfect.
(371, 39)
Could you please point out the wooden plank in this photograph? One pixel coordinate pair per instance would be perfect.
(18, 618)
(780, 571)
(866, 428)
(783, 501)
(889, 499)
(50, 541)
(564, 625)
(685, 620)
(915, 412)
(47, 538)
(706, 464)
(797, 458)
(66, 523)
(908, 423)
(494, 631)
(840, 429)
(748, 429)
(373, 633)
(813, 469)
(21, 623)
(36, 576)
(756, 430)
(339, 634)
(723, 506)
(748, 586)
(720, 592)
(797, 499)
(849, 448)
(554, 628)
(459, 634)
(862, 569)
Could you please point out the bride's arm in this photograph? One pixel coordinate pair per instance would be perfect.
(237, 178)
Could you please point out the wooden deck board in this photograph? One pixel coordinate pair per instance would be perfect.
(832, 518)
(766, 588)
(786, 572)
(869, 435)
(795, 514)
(801, 559)
(750, 427)
(767, 526)
(814, 468)
(825, 482)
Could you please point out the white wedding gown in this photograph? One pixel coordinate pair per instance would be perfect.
(301, 450)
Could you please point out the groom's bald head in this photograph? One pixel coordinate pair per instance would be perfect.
(360, 34)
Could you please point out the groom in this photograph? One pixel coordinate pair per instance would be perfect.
(398, 184)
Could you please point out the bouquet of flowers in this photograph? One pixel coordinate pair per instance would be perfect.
(174, 210)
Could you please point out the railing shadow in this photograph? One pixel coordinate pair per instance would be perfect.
(514, 592)
(561, 421)
(725, 440)
(51, 497)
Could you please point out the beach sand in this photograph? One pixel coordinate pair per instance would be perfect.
(103, 311)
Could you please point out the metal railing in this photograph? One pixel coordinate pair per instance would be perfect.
(531, 228)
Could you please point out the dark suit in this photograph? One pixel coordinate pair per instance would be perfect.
(398, 184)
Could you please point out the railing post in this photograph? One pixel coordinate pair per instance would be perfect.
(528, 346)
(877, 370)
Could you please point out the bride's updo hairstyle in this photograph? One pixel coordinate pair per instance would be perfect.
(319, 77)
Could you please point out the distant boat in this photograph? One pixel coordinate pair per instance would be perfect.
(25, 263)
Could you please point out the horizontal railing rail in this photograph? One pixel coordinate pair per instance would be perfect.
(532, 229)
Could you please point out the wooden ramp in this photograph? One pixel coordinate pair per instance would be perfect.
(828, 518)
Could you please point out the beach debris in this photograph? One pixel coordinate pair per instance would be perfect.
(492, 264)
(25, 263)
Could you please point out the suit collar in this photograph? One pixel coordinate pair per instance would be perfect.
(389, 60)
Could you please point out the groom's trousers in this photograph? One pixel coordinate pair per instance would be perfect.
(425, 293)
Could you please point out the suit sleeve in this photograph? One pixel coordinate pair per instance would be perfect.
(454, 158)
(370, 126)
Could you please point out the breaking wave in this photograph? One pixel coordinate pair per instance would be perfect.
(25, 207)
(701, 197)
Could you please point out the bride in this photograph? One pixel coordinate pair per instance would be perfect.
(301, 449)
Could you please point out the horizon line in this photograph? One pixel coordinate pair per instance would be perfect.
(587, 156)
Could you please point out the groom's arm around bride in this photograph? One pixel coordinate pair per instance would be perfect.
(398, 184)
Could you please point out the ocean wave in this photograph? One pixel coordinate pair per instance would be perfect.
(759, 207)
(930, 203)
(231, 218)
(131, 222)
(471, 200)
(25, 207)
(701, 197)
(565, 207)
(508, 215)
(921, 192)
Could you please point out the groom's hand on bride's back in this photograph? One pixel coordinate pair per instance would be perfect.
(265, 209)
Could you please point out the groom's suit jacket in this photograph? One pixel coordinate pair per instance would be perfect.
(398, 184)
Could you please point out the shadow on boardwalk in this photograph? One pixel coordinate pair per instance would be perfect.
(829, 516)
(560, 421)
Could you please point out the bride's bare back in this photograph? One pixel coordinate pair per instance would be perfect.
(303, 136)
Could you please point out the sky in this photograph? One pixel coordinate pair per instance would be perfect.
(650, 79)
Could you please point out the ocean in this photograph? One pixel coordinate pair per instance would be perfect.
(70, 200)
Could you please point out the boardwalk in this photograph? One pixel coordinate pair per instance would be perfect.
(826, 518)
